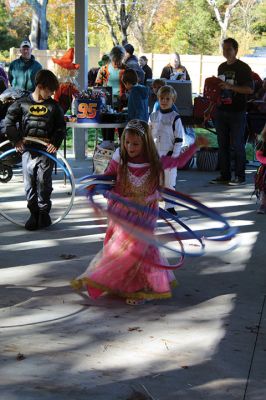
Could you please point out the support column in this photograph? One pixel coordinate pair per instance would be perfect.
(80, 136)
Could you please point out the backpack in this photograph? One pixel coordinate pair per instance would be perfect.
(210, 99)
(212, 90)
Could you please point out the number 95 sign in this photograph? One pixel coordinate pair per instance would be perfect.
(87, 110)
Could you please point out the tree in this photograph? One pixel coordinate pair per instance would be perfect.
(223, 20)
(39, 25)
(118, 16)
(143, 21)
(61, 24)
(14, 24)
(183, 32)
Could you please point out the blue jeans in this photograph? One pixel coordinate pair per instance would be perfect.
(230, 128)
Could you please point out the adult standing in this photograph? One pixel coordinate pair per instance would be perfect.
(175, 70)
(23, 70)
(143, 62)
(111, 74)
(132, 62)
(230, 122)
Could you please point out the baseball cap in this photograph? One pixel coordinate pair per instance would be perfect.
(25, 43)
(129, 48)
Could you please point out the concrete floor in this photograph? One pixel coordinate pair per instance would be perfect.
(207, 342)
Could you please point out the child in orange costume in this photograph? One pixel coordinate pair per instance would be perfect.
(66, 72)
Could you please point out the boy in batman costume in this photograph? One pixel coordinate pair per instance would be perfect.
(38, 116)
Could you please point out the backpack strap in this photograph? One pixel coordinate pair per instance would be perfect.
(174, 121)
(178, 139)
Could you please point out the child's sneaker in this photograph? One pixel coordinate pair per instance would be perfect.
(135, 302)
(32, 223)
(44, 220)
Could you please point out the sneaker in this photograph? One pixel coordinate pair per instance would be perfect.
(44, 220)
(32, 223)
(237, 182)
(220, 181)
(261, 209)
(135, 302)
(172, 211)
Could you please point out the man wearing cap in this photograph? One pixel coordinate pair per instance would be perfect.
(22, 71)
(131, 62)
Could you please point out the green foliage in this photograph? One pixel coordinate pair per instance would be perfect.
(191, 29)
(14, 24)
(186, 26)
(197, 29)
(258, 26)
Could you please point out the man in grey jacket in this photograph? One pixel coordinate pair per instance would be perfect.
(22, 71)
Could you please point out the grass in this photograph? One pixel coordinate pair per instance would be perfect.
(212, 138)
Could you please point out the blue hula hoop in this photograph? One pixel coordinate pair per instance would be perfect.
(100, 184)
(65, 167)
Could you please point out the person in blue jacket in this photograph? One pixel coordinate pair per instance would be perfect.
(138, 96)
(23, 70)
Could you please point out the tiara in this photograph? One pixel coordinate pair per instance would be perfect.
(136, 125)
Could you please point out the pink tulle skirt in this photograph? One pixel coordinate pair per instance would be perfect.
(125, 266)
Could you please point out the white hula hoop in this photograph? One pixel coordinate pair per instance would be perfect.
(69, 174)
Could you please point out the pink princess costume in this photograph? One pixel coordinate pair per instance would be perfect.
(125, 265)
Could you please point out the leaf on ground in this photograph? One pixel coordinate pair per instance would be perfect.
(67, 256)
(135, 328)
(20, 357)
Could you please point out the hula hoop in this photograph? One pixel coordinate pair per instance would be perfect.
(141, 231)
(99, 184)
(63, 164)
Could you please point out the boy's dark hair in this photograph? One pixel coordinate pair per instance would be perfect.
(129, 48)
(47, 79)
(231, 41)
(144, 58)
(130, 76)
(159, 82)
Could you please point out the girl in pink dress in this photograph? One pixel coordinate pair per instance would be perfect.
(260, 178)
(126, 265)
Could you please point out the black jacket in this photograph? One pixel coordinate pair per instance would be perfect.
(45, 121)
(132, 62)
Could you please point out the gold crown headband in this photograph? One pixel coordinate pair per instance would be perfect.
(137, 126)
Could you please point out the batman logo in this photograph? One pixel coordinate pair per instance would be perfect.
(38, 110)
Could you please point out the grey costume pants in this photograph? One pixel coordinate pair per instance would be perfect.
(37, 175)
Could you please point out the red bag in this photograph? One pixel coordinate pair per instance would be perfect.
(201, 104)
(212, 90)
(211, 97)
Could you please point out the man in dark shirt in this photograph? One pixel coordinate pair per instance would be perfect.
(143, 62)
(230, 122)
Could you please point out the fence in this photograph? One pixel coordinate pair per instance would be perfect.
(199, 66)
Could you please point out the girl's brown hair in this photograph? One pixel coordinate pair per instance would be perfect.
(150, 153)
